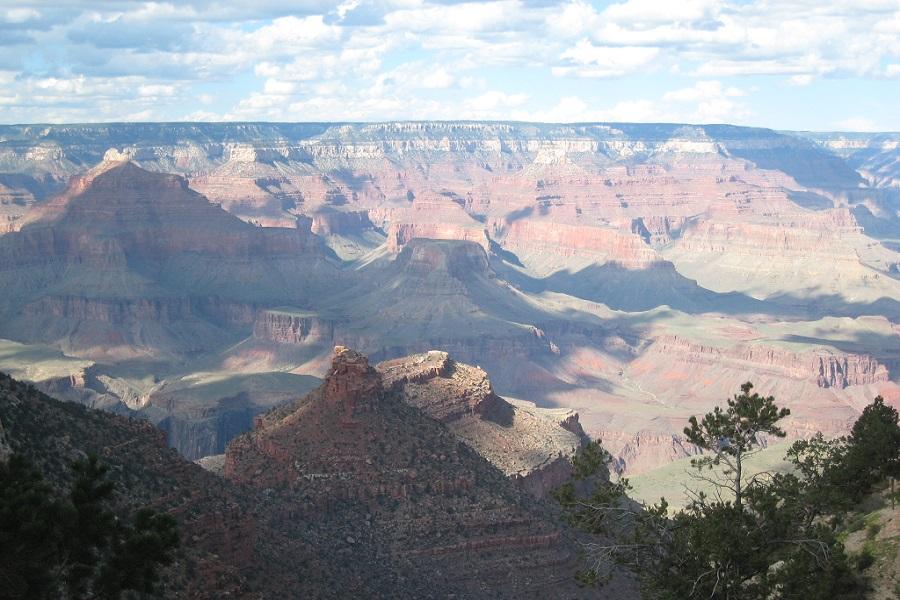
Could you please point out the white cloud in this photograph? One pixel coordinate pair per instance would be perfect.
(465, 17)
(704, 102)
(633, 110)
(82, 60)
(702, 90)
(573, 109)
(729, 68)
(588, 60)
(801, 80)
(857, 124)
(469, 82)
(201, 115)
(711, 102)
(494, 100)
(576, 19)
(438, 79)
(76, 85)
(288, 35)
(21, 15)
(154, 90)
(344, 8)
(278, 87)
(643, 12)
(723, 38)
(147, 114)
(567, 110)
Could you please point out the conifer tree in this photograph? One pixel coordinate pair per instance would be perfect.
(79, 545)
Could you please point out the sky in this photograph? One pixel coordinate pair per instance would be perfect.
(785, 64)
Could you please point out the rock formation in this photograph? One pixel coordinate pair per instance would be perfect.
(531, 446)
(128, 246)
(826, 370)
(292, 327)
(401, 487)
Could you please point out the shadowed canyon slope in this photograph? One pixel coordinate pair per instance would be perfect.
(422, 516)
(418, 496)
(201, 273)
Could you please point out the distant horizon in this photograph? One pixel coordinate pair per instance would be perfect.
(486, 121)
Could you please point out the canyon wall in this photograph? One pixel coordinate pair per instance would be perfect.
(635, 273)
(827, 370)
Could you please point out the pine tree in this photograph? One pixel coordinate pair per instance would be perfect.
(873, 452)
(30, 535)
(733, 435)
(769, 537)
(78, 545)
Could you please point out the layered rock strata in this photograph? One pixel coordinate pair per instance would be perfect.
(407, 490)
(826, 369)
(288, 326)
(533, 447)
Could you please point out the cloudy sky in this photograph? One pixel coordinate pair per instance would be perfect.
(788, 64)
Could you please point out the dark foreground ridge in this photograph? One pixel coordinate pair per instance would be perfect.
(347, 492)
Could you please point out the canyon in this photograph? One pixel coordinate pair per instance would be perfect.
(285, 518)
(199, 275)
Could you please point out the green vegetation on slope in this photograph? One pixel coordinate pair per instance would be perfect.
(72, 544)
(675, 483)
(774, 535)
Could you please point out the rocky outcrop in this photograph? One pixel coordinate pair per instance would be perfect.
(352, 386)
(460, 261)
(641, 451)
(332, 222)
(214, 464)
(131, 325)
(456, 391)
(148, 267)
(873, 155)
(227, 534)
(826, 369)
(851, 369)
(194, 144)
(809, 233)
(207, 433)
(292, 327)
(400, 234)
(126, 212)
(618, 231)
(532, 448)
(564, 240)
(113, 311)
(14, 204)
(353, 452)
(58, 385)
(161, 310)
(657, 230)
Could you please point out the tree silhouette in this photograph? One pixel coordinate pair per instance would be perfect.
(873, 452)
(733, 435)
(77, 545)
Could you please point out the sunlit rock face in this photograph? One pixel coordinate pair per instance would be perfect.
(531, 445)
(636, 274)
